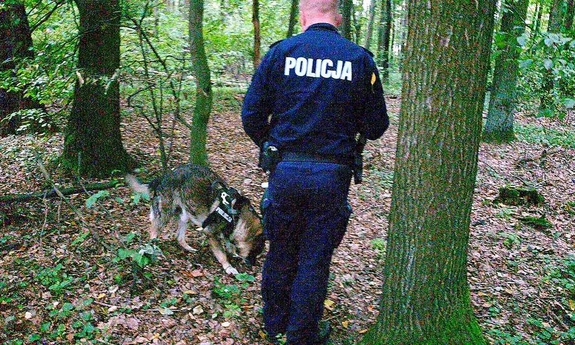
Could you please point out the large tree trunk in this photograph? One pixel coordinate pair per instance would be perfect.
(292, 18)
(93, 141)
(384, 39)
(426, 298)
(204, 97)
(499, 124)
(15, 45)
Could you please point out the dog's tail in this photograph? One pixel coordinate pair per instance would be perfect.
(136, 185)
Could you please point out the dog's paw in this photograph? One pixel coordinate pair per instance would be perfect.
(231, 271)
(187, 247)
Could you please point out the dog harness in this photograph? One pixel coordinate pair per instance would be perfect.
(225, 211)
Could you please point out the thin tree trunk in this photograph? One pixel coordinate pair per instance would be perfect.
(292, 18)
(499, 123)
(556, 16)
(426, 297)
(346, 8)
(204, 97)
(384, 39)
(538, 15)
(369, 31)
(257, 34)
(570, 15)
(93, 141)
(548, 83)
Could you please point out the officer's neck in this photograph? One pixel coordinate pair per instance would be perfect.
(308, 19)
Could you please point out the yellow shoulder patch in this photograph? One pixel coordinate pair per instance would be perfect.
(373, 78)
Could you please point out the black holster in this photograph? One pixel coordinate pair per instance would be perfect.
(269, 157)
(358, 159)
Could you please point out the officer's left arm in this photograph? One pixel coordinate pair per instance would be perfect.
(257, 103)
(375, 119)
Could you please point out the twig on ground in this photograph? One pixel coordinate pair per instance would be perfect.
(76, 211)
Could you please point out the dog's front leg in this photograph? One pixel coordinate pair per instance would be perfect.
(155, 224)
(221, 256)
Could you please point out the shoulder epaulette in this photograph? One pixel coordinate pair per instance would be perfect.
(368, 51)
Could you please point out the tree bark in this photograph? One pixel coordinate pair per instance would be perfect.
(570, 15)
(384, 39)
(370, 22)
(257, 33)
(537, 17)
(204, 96)
(292, 18)
(426, 297)
(92, 139)
(51, 193)
(346, 9)
(15, 45)
(499, 123)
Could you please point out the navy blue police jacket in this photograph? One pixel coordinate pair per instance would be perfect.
(312, 93)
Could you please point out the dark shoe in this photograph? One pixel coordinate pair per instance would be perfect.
(321, 338)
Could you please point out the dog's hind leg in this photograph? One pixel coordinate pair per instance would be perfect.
(221, 255)
(182, 229)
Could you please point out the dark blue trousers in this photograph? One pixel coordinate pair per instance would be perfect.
(305, 215)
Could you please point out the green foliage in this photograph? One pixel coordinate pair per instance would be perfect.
(544, 136)
(393, 86)
(141, 257)
(95, 197)
(550, 55)
(138, 262)
(49, 76)
(231, 295)
(67, 320)
(379, 244)
(54, 278)
(30, 120)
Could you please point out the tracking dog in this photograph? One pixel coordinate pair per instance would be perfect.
(197, 194)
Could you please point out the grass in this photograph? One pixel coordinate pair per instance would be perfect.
(533, 134)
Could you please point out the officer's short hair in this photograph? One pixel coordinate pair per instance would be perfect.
(320, 6)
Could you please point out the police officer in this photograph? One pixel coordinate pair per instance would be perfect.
(309, 98)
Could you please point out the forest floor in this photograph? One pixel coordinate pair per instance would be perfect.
(59, 284)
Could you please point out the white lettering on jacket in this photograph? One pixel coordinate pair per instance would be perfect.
(318, 68)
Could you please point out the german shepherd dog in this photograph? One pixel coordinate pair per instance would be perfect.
(197, 194)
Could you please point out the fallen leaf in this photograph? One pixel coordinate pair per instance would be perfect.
(329, 304)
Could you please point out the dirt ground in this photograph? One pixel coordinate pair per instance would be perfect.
(95, 297)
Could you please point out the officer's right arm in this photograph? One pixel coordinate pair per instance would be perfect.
(257, 104)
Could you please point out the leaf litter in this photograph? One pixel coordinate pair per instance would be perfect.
(57, 280)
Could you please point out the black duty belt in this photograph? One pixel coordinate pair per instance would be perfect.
(310, 157)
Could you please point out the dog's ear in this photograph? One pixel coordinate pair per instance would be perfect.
(234, 193)
(242, 201)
